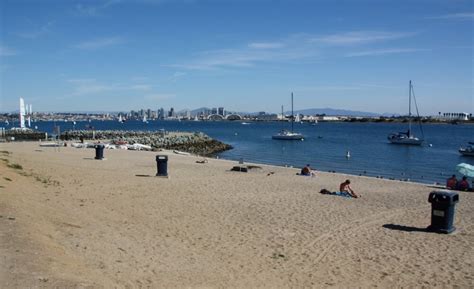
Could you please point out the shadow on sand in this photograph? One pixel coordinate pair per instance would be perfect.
(406, 228)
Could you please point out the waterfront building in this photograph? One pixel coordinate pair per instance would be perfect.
(220, 111)
(161, 115)
(453, 116)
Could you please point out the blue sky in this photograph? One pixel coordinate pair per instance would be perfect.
(243, 55)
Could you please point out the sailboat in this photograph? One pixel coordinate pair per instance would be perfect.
(144, 119)
(289, 135)
(407, 138)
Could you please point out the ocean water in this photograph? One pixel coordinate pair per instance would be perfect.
(325, 145)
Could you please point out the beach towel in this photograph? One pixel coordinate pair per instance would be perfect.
(341, 194)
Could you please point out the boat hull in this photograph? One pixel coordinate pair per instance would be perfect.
(405, 140)
(288, 137)
(465, 152)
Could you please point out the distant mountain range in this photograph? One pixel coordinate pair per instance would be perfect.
(332, 111)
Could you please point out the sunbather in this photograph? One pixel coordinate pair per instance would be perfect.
(345, 187)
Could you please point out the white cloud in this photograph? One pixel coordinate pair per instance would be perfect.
(90, 86)
(384, 52)
(81, 80)
(455, 16)
(297, 47)
(359, 37)
(94, 10)
(6, 51)
(158, 96)
(265, 45)
(99, 43)
(293, 48)
(140, 78)
(45, 29)
(145, 87)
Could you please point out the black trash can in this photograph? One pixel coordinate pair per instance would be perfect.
(162, 165)
(442, 211)
(99, 151)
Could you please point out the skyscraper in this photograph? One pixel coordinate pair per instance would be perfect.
(220, 111)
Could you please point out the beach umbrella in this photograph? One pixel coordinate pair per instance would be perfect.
(465, 169)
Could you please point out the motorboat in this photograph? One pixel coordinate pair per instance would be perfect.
(467, 150)
(407, 138)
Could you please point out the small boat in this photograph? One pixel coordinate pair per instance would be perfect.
(245, 123)
(467, 150)
(285, 134)
(407, 138)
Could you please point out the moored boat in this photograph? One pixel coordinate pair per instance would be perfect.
(407, 138)
(467, 150)
(285, 134)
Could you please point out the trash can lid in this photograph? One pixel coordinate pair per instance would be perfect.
(161, 157)
(443, 197)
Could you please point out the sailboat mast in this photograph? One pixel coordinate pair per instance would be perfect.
(409, 110)
(292, 115)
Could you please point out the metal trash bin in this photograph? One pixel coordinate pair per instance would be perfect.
(162, 165)
(99, 151)
(442, 211)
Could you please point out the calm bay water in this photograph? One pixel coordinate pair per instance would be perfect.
(325, 145)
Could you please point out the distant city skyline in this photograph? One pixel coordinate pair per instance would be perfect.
(245, 56)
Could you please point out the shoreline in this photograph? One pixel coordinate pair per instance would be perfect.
(68, 220)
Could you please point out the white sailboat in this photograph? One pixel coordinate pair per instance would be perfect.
(289, 135)
(144, 119)
(407, 138)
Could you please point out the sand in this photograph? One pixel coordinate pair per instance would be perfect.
(69, 221)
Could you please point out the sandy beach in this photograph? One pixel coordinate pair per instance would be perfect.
(69, 221)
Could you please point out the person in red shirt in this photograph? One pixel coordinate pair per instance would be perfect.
(452, 182)
(463, 185)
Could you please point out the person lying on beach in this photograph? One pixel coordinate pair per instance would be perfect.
(341, 194)
(307, 171)
(345, 187)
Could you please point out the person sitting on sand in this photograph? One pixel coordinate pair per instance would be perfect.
(463, 185)
(307, 171)
(452, 182)
(345, 187)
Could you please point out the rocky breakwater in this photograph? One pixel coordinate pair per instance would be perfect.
(22, 135)
(196, 143)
